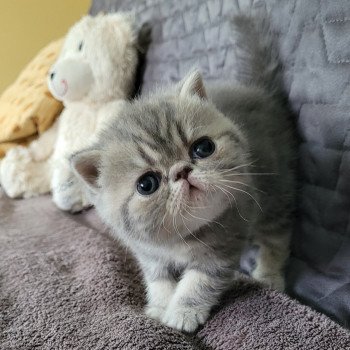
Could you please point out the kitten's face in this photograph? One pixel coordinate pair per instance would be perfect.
(166, 166)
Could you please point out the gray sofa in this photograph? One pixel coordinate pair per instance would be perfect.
(66, 284)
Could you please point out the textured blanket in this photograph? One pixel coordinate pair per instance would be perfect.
(65, 284)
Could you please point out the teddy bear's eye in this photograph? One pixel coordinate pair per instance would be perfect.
(80, 47)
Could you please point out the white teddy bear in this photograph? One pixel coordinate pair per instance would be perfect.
(94, 74)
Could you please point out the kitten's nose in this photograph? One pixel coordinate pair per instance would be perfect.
(180, 171)
(183, 174)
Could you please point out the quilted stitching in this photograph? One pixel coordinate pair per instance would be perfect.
(315, 50)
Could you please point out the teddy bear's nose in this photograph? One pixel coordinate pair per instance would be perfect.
(52, 75)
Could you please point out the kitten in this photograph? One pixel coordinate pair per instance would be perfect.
(188, 176)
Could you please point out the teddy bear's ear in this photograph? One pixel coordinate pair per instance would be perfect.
(85, 165)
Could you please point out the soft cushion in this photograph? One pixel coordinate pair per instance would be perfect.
(27, 107)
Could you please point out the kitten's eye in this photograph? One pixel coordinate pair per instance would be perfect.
(148, 183)
(80, 47)
(202, 148)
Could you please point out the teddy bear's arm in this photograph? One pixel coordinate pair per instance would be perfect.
(42, 148)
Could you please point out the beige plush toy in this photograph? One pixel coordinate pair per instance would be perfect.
(93, 76)
(27, 108)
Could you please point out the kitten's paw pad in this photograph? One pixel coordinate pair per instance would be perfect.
(155, 312)
(185, 319)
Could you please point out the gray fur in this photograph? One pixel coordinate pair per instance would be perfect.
(189, 248)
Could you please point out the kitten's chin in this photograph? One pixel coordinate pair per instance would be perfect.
(201, 209)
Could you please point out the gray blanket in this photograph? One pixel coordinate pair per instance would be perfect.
(65, 284)
(314, 37)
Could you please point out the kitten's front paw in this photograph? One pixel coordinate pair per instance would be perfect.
(154, 311)
(68, 197)
(185, 319)
(275, 281)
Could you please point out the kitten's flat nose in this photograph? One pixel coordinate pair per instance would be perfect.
(183, 174)
(180, 171)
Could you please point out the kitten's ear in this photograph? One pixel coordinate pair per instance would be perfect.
(85, 165)
(192, 84)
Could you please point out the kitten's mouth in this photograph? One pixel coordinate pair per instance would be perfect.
(195, 184)
(194, 187)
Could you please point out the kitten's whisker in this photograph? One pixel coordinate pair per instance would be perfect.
(206, 220)
(189, 206)
(255, 174)
(179, 234)
(206, 245)
(208, 223)
(228, 193)
(166, 229)
(162, 222)
(242, 183)
(213, 187)
(211, 192)
(128, 238)
(218, 165)
(247, 193)
(234, 168)
(233, 173)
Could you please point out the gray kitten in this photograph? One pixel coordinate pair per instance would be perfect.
(187, 177)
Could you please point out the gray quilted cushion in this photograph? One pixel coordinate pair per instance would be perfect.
(314, 38)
